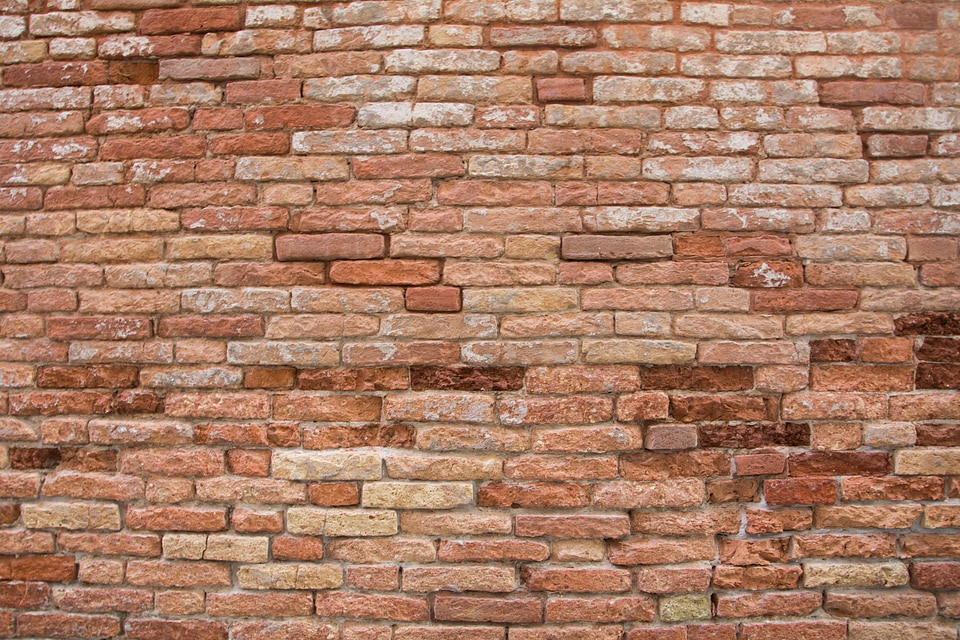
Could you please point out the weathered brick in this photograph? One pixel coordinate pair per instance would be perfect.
(265, 305)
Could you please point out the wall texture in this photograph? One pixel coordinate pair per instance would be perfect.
(479, 320)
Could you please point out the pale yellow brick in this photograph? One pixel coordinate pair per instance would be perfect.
(341, 522)
(855, 574)
(71, 515)
(290, 576)
(184, 546)
(326, 465)
(417, 495)
(234, 548)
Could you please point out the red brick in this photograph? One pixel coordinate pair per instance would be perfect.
(109, 376)
(505, 610)
(896, 145)
(757, 578)
(263, 91)
(67, 625)
(262, 144)
(872, 92)
(24, 595)
(93, 197)
(44, 568)
(433, 299)
(176, 519)
(282, 630)
(55, 74)
(385, 272)
(294, 548)
(481, 192)
(275, 274)
(420, 165)
(217, 119)
(561, 90)
(300, 117)
(200, 20)
(331, 246)
(800, 491)
(378, 607)
(148, 629)
(826, 630)
(912, 16)
(334, 494)
(211, 327)
(813, 18)
(935, 575)
(604, 609)
(533, 495)
(576, 580)
(764, 604)
(803, 300)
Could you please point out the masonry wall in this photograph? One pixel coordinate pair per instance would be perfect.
(479, 320)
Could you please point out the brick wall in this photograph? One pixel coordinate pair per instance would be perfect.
(479, 320)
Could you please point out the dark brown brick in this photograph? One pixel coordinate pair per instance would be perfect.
(800, 491)
(838, 463)
(928, 324)
(834, 350)
(750, 436)
(938, 376)
(137, 401)
(722, 407)
(467, 378)
(9, 513)
(34, 458)
(671, 377)
(939, 350)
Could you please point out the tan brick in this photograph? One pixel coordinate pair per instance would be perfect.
(290, 576)
(851, 574)
(318, 465)
(417, 495)
(341, 522)
(71, 515)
